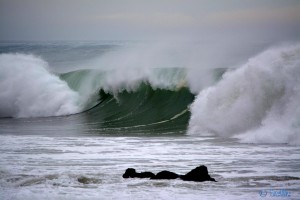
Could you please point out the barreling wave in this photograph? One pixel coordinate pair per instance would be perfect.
(145, 110)
(145, 100)
(258, 102)
(88, 82)
(151, 102)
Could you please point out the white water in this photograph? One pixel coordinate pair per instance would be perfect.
(131, 64)
(28, 89)
(45, 167)
(258, 102)
(42, 158)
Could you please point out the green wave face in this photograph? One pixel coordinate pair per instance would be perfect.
(144, 109)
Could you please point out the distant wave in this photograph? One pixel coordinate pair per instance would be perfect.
(258, 102)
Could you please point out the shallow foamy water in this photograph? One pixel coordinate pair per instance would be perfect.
(43, 167)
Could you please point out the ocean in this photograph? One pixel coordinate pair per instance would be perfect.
(73, 111)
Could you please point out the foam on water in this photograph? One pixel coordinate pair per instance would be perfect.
(43, 167)
(258, 102)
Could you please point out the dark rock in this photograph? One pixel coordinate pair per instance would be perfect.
(198, 174)
(131, 173)
(145, 175)
(165, 175)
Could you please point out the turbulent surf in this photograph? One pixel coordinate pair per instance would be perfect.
(28, 89)
(256, 102)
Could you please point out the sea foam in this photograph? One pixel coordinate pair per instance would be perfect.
(257, 103)
(28, 89)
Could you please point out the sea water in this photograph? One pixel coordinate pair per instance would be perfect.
(44, 167)
(75, 116)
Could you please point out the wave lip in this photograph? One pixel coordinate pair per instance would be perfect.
(257, 103)
(28, 89)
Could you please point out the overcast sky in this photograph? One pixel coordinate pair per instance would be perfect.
(148, 19)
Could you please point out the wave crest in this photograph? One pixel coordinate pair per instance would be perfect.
(28, 89)
(258, 102)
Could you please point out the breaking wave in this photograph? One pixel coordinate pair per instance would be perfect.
(257, 103)
(140, 100)
(28, 89)
(154, 101)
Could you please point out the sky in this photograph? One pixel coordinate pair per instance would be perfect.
(149, 19)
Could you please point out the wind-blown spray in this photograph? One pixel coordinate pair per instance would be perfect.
(28, 89)
(258, 102)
